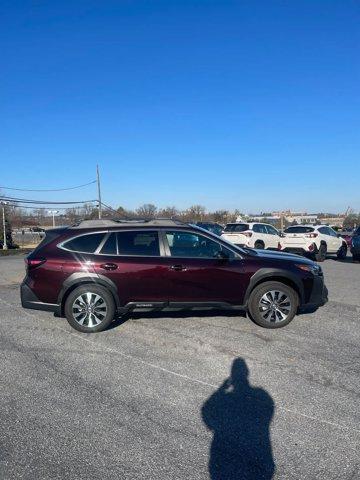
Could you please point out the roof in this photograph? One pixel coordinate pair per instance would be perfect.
(158, 222)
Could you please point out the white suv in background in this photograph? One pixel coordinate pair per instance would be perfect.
(314, 241)
(255, 235)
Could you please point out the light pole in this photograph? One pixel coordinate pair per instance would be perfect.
(5, 247)
(53, 212)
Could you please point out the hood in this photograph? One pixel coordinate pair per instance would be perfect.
(274, 255)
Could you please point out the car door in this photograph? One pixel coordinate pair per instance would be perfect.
(336, 242)
(132, 260)
(202, 270)
(273, 237)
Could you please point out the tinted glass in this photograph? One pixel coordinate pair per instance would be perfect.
(298, 229)
(143, 243)
(109, 247)
(271, 230)
(236, 227)
(191, 245)
(259, 228)
(85, 243)
(357, 231)
(324, 230)
(332, 232)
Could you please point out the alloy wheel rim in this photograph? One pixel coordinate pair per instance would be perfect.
(275, 306)
(89, 309)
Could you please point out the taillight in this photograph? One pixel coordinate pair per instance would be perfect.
(247, 234)
(311, 235)
(34, 262)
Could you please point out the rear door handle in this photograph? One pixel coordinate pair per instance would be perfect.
(178, 268)
(108, 266)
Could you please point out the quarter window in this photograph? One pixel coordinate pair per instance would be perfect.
(192, 245)
(85, 243)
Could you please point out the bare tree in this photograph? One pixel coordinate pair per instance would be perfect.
(148, 210)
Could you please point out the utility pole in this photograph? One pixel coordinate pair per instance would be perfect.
(5, 247)
(99, 190)
(53, 215)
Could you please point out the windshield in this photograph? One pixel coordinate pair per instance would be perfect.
(298, 230)
(236, 227)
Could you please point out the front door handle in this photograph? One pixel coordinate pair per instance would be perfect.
(178, 268)
(108, 266)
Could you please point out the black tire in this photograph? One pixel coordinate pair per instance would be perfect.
(96, 315)
(257, 307)
(259, 245)
(320, 255)
(356, 258)
(342, 252)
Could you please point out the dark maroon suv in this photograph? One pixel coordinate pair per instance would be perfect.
(100, 268)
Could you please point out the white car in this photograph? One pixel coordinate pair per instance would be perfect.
(254, 235)
(314, 241)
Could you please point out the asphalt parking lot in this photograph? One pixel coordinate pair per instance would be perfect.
(151, 397)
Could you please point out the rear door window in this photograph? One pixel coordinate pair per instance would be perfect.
(138, 243)
(298, 229)
(84, 243)
(236, 227)
(259, 228)
(110, 246)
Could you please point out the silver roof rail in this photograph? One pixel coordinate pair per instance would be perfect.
(161, 222)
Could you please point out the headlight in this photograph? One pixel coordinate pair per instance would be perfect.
(314, 269)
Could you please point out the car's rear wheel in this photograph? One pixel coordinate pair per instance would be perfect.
(321, 254)
(273, 304)
(356, 258)
(342, 252)
(90, 308)
(259, 245)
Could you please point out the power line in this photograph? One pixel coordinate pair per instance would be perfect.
(51, 190)
(43, 202)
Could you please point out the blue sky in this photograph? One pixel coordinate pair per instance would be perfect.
(231, 104)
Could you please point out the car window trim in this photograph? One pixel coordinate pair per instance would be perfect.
(102, 243)
(237, 256)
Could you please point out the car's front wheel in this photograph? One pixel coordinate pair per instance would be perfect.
(90, 308)
(273, 304)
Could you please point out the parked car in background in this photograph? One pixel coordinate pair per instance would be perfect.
(254, 235)
(347, 236)
(93, 271)
(211, 227)
(313, 241)
(355, 245)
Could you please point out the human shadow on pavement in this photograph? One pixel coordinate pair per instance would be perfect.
(239, 416)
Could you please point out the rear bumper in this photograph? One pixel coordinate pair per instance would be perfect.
(30, 300)
(299, 250)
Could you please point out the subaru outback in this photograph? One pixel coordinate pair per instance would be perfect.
(98, 269)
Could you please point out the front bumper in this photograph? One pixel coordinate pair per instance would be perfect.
(319, 294)
(30, 300)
